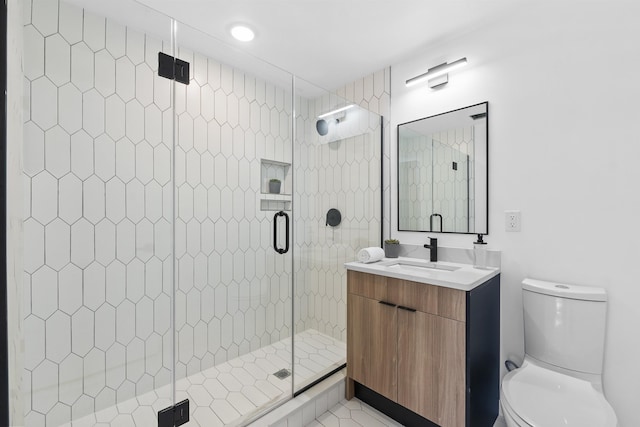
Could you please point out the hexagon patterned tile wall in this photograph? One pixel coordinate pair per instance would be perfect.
(428, 183)
(346, 175)
(99, 211)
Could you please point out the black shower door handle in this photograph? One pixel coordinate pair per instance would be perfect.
(286, 232)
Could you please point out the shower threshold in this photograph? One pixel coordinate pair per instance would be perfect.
(236, 391)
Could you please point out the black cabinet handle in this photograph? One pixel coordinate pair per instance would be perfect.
(413, 310)
(275, 232)
(387, 303)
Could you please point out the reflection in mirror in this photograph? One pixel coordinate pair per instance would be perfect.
(442, 172)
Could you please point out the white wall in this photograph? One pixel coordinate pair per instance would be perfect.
(563, 87)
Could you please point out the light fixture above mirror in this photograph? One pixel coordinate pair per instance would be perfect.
(438, 75)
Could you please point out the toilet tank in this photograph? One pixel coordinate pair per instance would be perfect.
(564, 325)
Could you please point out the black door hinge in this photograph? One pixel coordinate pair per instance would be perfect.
(175, 415)
(173, 68)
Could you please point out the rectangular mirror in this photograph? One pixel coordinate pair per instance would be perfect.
(443, 172)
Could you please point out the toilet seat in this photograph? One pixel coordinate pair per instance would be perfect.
(510, 416)
(540, 397)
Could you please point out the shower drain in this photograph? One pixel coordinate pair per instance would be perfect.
(282, 373)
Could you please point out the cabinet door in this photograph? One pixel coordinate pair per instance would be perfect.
(431, 367)
(358, 342)
(384, 348)
(451, 377)
(417, 363)
(372, 345)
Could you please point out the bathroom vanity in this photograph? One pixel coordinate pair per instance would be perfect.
(423, 341)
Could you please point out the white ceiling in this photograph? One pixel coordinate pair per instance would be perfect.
(326, 42)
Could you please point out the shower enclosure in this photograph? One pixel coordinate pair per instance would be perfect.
(158, 266)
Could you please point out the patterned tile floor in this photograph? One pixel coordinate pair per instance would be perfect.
(235, 391)
(353, 413)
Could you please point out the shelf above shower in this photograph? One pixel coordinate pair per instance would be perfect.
(274, 169)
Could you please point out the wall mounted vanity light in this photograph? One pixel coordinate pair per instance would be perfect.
(438, 75)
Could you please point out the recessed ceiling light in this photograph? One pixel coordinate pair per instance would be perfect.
(242, 33)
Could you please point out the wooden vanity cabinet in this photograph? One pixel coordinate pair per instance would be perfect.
(373, 354)
(410, 343)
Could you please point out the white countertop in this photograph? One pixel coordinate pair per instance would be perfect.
(465, 277)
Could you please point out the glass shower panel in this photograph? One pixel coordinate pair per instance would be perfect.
(233, 272)
(338, 196)
(98, 144)
(451, 187)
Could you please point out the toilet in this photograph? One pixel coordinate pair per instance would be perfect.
(560, 380)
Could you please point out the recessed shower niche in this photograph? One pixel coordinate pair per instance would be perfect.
(270, 170)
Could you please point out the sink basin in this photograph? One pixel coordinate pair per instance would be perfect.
(417, 266)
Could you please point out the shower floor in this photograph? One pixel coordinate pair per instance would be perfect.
(235, 391)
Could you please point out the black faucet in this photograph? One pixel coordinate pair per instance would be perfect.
(433, 247)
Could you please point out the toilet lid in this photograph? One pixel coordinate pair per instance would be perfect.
(544, 398)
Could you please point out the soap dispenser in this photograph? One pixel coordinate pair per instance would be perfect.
(480, 253)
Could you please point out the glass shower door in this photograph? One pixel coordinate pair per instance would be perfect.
(98, 142)
(338, 197)
(233, 269)
(161, 259)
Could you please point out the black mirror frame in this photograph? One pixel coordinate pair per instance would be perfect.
(397, 148)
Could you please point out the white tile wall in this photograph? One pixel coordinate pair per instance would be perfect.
(343, 175)
(98, 142)
(98, 214)
(447, 192)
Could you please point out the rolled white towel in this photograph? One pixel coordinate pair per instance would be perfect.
(368, 255)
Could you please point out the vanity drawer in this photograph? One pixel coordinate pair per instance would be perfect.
(416, 296)
(367, 285)
(438, 300)
(452, 303)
